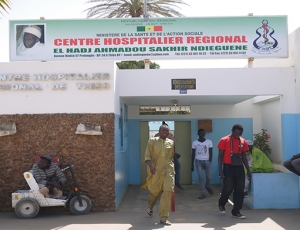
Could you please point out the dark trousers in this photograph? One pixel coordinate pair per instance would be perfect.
(234, 181)
(293, 165)
(177, 170)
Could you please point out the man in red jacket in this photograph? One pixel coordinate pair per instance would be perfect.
(232, 155)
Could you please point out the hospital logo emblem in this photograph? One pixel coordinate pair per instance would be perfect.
(266, 42)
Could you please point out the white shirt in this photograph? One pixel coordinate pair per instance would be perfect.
(202, 149)
(36, 50)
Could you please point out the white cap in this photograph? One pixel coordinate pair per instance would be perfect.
(35, 30)
(249, 142)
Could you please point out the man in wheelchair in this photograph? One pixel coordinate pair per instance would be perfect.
(49, 177)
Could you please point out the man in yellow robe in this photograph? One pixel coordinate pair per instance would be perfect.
(159, 157)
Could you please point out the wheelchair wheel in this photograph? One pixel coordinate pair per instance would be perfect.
(27, 208)
(84, 209)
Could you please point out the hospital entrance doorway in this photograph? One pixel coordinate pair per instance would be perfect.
(182, 134)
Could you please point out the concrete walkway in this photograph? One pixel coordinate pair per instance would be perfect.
(190, 213)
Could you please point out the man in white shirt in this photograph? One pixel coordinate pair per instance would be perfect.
(31, 45)
(202, 156)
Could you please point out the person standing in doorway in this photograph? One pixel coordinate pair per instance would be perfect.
(159, 157)
(202, 152)
(176, 159)
(232, 155)
(177, 169)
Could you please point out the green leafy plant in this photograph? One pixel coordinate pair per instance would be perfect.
(261, 141)
(136, 65)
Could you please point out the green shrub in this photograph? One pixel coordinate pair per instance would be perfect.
(261, 141)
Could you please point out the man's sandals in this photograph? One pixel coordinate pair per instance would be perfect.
(149, 212)
(165, 222)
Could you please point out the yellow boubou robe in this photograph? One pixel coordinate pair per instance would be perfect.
(161, 153)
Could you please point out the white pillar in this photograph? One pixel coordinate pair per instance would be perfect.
(250, 62)
(147, 63)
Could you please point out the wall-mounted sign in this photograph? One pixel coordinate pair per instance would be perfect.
(183, 84)
(156, 38)
(24, 82)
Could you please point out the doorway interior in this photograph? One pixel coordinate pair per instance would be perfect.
(182, 134)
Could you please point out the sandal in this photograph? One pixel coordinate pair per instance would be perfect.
(149, 212)
(165, 222)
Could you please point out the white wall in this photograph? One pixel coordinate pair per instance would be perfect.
(292, 61)
(271, 121)
(219, 82)
(294, 41)
(257, 120)
(267, 115)
(252, 81)
(240, 110)
(47, 100)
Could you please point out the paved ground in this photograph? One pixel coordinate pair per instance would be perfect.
(190, 213)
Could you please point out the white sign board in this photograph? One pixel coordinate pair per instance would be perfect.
(156, 38)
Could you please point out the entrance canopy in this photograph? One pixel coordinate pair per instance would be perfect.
(205, 86)
(186, 100)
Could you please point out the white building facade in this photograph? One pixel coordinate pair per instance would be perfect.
(265, 96)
